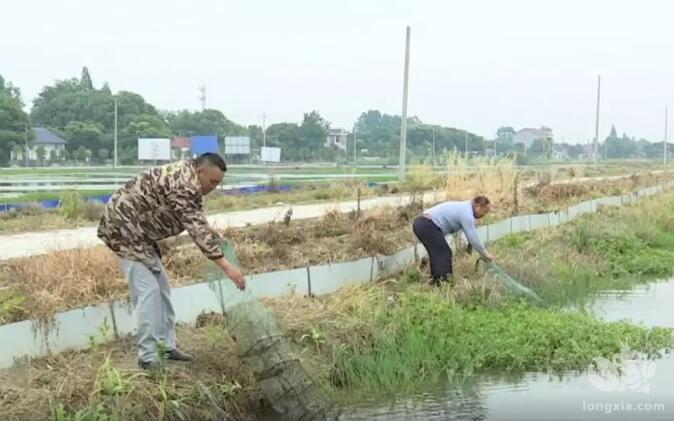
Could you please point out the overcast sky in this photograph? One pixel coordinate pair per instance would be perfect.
(474, 64)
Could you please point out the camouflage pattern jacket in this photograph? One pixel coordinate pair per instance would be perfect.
(159, 203)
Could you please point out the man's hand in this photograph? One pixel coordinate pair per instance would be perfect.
(488, 257)
(232, 272)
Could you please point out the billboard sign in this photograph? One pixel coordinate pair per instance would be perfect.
(154, 149)
(237, 145)
(204, 144)
(270, 154)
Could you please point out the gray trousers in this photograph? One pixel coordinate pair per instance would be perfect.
(151, 295)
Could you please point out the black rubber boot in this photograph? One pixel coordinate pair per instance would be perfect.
(177, 355)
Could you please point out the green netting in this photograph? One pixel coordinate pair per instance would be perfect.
(261, 344)
(496, 272)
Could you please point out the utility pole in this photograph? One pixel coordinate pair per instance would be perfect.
(264, 131)
(596, 125)
(664, 155)
(465, 138)
(403, 121)
(114, 162)
(354, 146)
(433, 154)
(25, 139)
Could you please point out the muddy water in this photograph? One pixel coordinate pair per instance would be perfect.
(644, 392)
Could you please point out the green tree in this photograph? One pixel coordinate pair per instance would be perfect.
(80, 154)
(80, 133)
(619, 148)
(186, 123)
(287, 137)
(103, 154)
(14, 123)
(18, 151)
(505, 133)
(312, 136)
(63, 155)
(73, 107)
(541, 148)
(504, 140)
(53, 155)
(378, 133)
(41, 154)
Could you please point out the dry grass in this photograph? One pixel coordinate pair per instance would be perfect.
(59, 279)
(71, 279)
(335, 237)
(205, 389)
(496, 178)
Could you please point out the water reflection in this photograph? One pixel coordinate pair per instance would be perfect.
(577, 396)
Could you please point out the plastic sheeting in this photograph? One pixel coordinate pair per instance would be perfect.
(520, 223)
(49, 204)
(499, 230)
(539, 221)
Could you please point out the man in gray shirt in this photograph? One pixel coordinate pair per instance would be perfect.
(448, 218)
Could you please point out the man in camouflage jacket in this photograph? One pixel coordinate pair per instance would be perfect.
(160, 203)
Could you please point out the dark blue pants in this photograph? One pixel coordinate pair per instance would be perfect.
(439, 253)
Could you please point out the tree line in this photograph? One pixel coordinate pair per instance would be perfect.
(83, 114)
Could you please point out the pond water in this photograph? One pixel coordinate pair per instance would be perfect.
(644, 392)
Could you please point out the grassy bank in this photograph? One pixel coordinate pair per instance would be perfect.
(423, 338)
(393, 336)
(400, 335)
(389, 337)
(613, 249)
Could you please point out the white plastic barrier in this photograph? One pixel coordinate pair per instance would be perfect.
(499, 230)
(75, 329)
(330, 278)
(539, 221)
(555, 218)
(520, 223)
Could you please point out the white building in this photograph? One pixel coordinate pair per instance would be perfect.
(528, 136)
(47, 140)
(337, 138)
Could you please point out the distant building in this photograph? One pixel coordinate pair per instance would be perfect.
(337, 138)
(180, 147)
(46, 139)
(528, 136)
(560, 152)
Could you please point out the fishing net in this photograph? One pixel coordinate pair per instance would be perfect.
(260, 343)
(493, 271)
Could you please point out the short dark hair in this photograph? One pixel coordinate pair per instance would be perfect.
(481, 200)
(210, 158)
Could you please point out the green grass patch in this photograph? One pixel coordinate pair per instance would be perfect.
(11, 302)
(425, 338)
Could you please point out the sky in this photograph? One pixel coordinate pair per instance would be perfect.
(475, 65)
